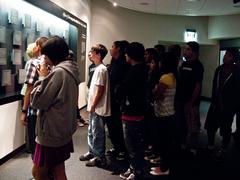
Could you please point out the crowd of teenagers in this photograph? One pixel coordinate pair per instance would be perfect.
(148, 99)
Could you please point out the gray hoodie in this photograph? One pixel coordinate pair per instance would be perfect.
(56, 98)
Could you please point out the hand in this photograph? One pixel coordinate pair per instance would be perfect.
(23, 118)
(43, 69)
(92, 109)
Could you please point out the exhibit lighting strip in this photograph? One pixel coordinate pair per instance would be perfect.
(36, 13)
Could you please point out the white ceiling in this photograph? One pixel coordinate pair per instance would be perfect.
(182, 7)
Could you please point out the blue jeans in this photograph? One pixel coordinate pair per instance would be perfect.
(96, 135)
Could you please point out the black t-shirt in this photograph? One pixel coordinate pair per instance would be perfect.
(190, 73)
(91, 70)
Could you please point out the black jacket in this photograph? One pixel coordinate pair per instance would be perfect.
(225, 100)
(133, 91)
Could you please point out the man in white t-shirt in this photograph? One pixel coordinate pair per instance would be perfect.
(99, 108)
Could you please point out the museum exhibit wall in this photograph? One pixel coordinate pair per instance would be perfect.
(11, 131)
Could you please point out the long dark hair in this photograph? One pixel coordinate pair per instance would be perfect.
(56, 49)
(122, 45)
(169, 63)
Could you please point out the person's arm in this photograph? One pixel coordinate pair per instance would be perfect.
(159, 90)
(100, 91)
(46, 90)
(196, 92)
(31, 77)
(214, 84)
(198, 85)
(26, 102)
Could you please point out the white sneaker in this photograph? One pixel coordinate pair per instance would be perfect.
(80, 124)
(152, 156)
(156, 160)
(131, 177)
(154, 168)
(126, 174)
(159, 172)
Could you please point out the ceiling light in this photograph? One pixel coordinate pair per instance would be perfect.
(144, 3)
(115, 4)
(193, 0)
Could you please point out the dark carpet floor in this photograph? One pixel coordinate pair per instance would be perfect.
(184, 165)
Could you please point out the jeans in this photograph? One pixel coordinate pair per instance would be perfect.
(96, 135)
(133, 136)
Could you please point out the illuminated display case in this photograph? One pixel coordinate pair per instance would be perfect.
(21, 22)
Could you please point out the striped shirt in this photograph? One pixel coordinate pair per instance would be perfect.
(31, 78)
(165, 106)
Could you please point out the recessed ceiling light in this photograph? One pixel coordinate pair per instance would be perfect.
(115, 4)
(193, 0)
(144, 3)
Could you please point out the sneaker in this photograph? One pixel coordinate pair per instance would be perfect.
(220, 155)
(159, 172)
(86, 122)
(210, 151)
(96, 161)
(193, 151)
(153, 168)
(121, 156)
(236, 138)
(86, 157)
(80, 124)
(126, 174)
(131, 177)
(210, 148)
(156, 160)
(148, 158)
(83, 121)
(149, 149)
(111, 152)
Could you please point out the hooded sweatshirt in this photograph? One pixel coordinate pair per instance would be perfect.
(56, 98)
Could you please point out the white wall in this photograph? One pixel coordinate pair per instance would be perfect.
(223, 27)
(209, 56)
(11, 131)
(82, 10)
(110, 24)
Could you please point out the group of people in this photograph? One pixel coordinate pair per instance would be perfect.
(149, 100)
(146, 88)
